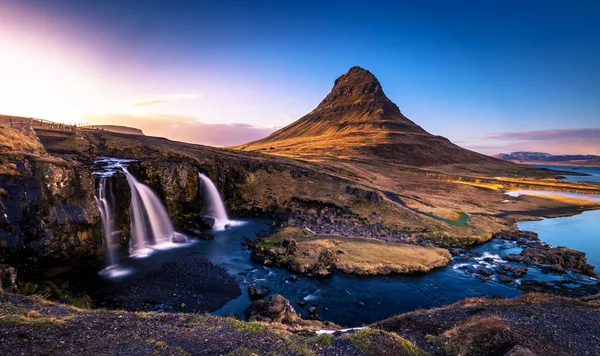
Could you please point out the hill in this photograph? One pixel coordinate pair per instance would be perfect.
(117, 129)
(357, 121)
(547, 158)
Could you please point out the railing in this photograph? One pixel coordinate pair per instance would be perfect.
(29, 123)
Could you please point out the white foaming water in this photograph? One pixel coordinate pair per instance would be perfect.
(321, 332)
(104, 201)
(151, 227)
(215, 205)
(115, 271)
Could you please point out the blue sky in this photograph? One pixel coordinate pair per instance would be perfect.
(473, 71)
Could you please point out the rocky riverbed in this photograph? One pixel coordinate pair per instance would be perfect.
(189, 284)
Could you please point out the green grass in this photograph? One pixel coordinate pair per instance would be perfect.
(372, 342)
(324, 339)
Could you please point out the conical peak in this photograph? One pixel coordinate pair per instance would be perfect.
(356, 82)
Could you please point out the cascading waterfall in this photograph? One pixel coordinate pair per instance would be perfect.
(151, 227)
(105, 201)
(215, 205)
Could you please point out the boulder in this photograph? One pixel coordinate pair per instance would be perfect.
(8, 278)
(514, 257)
(178, 238)
(313, 313)
(516, 271)
(208, 222)
(257, 292)
(559, 259)
(517, 235)
(273, 309)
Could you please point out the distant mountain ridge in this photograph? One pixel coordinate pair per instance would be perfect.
(547, 158)
(117, 129)
(357, 121)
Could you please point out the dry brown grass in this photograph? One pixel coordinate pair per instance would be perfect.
(361, 256)
(15, 141)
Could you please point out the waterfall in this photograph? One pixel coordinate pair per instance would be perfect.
(151, 227)
(105, 203)
(216, 208)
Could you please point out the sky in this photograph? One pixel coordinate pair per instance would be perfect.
(493, 76)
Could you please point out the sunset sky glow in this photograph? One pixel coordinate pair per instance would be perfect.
(493, 76)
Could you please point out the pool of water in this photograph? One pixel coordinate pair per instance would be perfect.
(351, 300)
(580, 232)
(595, 198)
(593, 172)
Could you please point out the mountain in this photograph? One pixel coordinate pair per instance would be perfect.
(357, 121)
(547, 158)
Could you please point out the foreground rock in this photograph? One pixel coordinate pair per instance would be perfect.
(190, 284)
(256, 292)
(540, 323)
(548, 258)
(33, 326)
(276, 309)
(532, 324)
(8, 278)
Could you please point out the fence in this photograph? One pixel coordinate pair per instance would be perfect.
(24, 123)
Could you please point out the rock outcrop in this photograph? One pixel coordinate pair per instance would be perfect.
(548, 258)
(47, 209)
(8, 278)
(277, 310)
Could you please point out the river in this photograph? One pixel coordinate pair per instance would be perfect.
(355, 300)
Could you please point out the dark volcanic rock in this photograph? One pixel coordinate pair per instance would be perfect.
(257, 292)
(325, 265)
(8, 278)
(179, 239)
(313, 313)
(514, 257)
(545, 324)
(48, 210)
(516, 271)
(208, 222)
(517, 235)
(189, 284)
(274, 309)
(560, 258)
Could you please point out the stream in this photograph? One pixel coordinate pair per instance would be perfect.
(346, 300)
(352, 300)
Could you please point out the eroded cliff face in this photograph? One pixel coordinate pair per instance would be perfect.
(244, 185)
(47, 210)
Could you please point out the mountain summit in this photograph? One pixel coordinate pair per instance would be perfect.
(356, 120)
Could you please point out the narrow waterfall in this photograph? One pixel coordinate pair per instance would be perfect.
(215, 205)
(105, 202)
(151, 227)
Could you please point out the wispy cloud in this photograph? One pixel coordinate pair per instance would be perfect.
(188, 128)
(559, 141)
(192, 94)
(148, 102)
(549, 135)
(165, 98)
